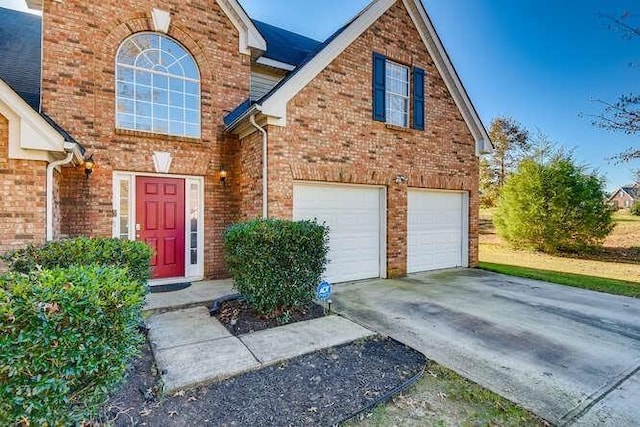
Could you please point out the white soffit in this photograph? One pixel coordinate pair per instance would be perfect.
(29, 132)
(250, 37)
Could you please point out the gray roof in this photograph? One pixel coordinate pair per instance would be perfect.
(20, 61)
(20, 41)
(632, 190)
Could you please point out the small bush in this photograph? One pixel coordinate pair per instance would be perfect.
(66, 336)
(134, 256)
(635, 209)
(276, 264)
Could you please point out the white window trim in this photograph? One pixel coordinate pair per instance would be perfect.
(185, 79)
(389, 93)
(192, 272)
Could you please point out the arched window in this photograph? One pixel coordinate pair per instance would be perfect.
(157, 86)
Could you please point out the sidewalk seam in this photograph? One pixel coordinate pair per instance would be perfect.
(596, 397)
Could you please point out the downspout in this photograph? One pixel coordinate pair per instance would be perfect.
(50, 168)
(265, 211)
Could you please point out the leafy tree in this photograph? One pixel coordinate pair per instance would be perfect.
(511, 144)
(622, 115)
(553, 206)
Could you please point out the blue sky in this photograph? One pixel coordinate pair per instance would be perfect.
(539, 61)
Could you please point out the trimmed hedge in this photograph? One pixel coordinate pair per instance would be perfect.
(134, 256)
(635, 209)
(276, 264)
(66, 336)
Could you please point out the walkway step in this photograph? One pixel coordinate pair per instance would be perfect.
(184, 327)
(285, 342)
(200, 363)
(198, 294)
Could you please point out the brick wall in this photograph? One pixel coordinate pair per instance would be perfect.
(331, 135)
(80, 40)
(22, 195)
(619, 199)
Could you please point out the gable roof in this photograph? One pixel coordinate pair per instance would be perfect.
(274, 103)
(20, 41)
(633, 191)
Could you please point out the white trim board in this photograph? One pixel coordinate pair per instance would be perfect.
(192, 272)
(31, 137)
(250, 37)
(276, 104)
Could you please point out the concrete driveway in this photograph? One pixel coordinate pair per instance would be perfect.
(569, 355)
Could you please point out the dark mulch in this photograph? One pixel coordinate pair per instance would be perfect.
(318, 389)
(240, 318)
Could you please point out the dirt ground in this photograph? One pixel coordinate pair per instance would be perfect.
(619, 257)
(443, 398)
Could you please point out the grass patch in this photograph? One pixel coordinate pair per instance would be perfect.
(601, 284)
(441, 398)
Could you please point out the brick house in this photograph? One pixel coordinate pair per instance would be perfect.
(185, 107)
(625, 197)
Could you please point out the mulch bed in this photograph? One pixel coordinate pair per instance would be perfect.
(240, 318)
(317, 389)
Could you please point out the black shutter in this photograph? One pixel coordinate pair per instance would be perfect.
(379, 87)
(418, 98)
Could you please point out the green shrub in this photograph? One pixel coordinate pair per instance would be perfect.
(635, 209)
(66, 336)
(553, 206)
(134, 256)
(276, 264)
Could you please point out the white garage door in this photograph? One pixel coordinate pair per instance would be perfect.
(353, 216)
(436, 230)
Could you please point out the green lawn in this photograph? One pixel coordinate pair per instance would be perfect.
(601, 284)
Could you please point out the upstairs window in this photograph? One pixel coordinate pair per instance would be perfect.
(398, 93)
(157, 87)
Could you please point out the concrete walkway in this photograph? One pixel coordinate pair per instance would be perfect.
(192, 348)
(198, 294)
(571, 356)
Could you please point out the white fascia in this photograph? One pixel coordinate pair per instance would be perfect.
(31, 137)
(250, 37)
(275, 64)
(443, 63)
(276, 105)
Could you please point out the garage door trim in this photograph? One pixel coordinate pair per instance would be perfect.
(382, 191)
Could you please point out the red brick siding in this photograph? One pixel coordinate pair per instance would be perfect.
(80, 43)
(331, 135)
(22, 195)
(250, 177)
(619, 199)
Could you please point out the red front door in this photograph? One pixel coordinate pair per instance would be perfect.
(160, 223)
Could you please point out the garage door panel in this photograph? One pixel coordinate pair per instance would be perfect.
(353, 216)
(434, 230)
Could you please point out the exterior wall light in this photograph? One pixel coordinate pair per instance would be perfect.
(223, 175)
(88, 166)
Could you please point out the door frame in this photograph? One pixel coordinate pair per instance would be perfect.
(382, 191)
(465, 219)
(193, 272)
